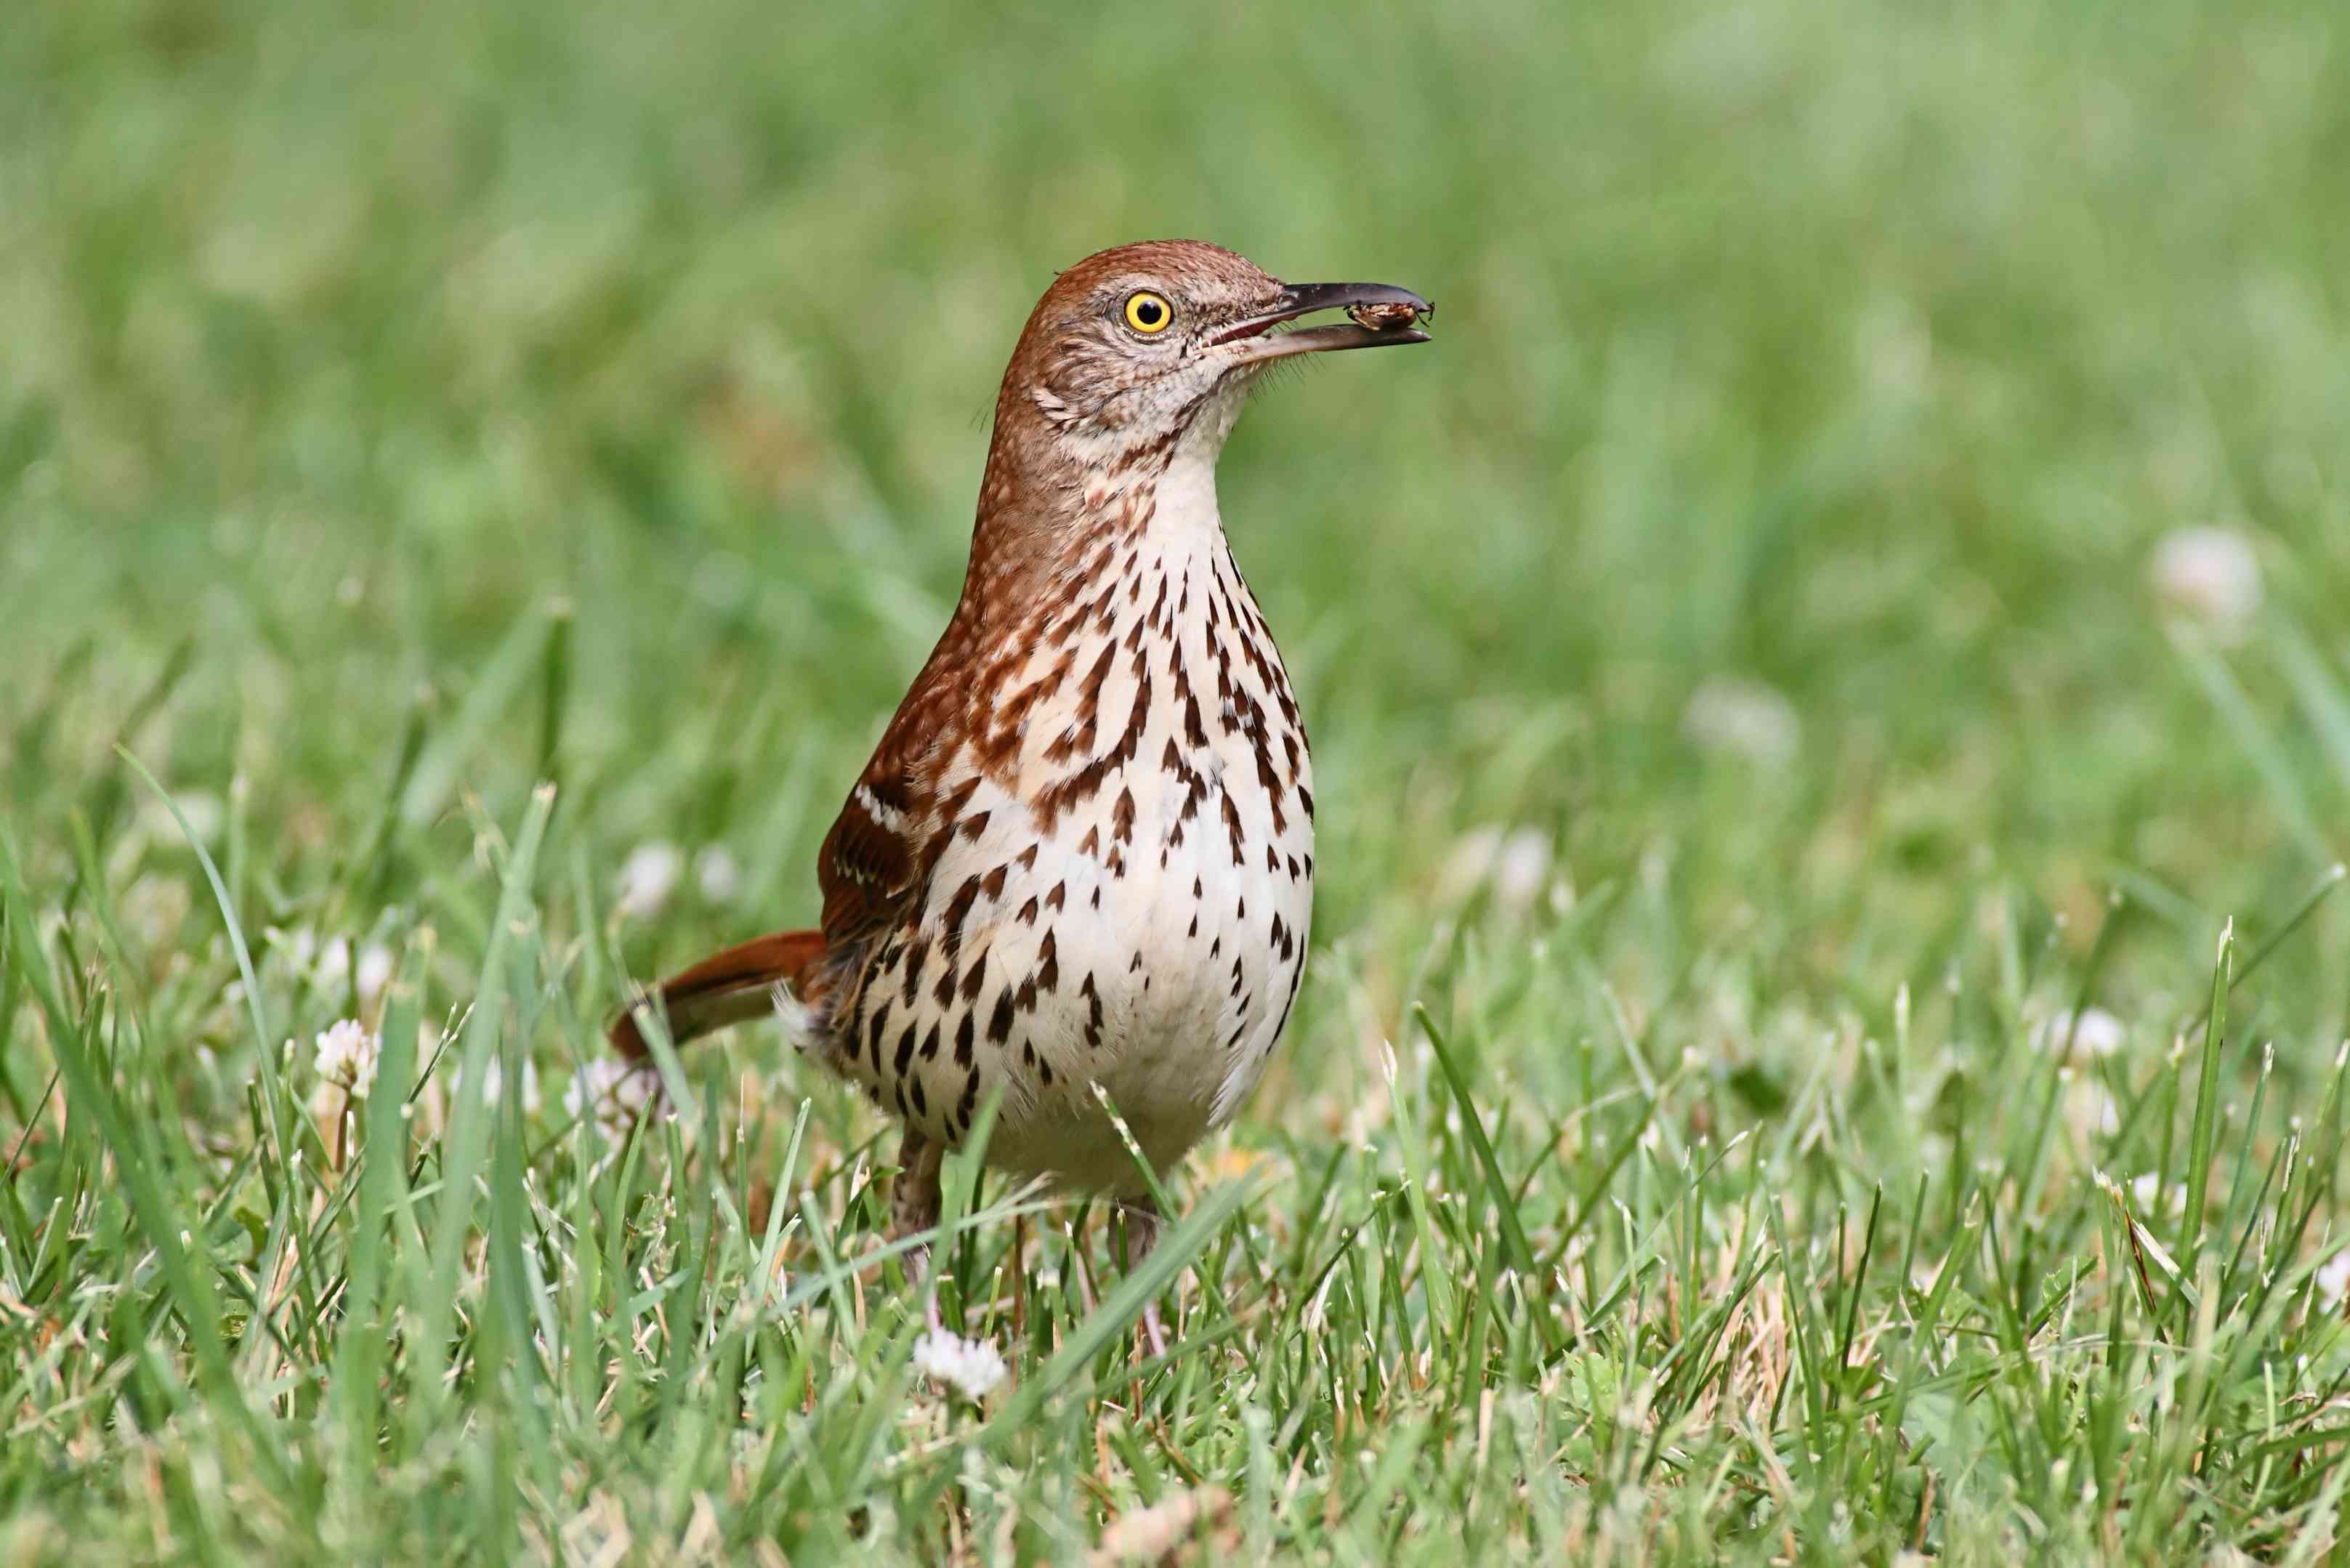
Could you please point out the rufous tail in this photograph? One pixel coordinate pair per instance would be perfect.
(723, 989)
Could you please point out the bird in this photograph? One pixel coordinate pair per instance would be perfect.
(1079, 867)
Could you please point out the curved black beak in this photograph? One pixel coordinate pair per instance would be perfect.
(1299, 299)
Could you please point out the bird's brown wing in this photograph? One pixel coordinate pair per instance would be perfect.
(946, 737)
(874, 869)
(876, 864)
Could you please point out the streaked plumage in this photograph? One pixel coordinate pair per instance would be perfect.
(1083, 852)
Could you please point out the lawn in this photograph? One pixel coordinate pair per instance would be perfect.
(1830, 684)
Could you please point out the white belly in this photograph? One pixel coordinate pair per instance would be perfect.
(1131, 912)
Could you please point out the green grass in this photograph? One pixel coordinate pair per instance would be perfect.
(394, 415)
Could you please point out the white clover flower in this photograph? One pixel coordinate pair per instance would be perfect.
(299, 946)
(2147, 1193)
(2088, 1105)
(647, 877)
(717, 873)
(613, 1091)
(2210, 577)
(973, 1368)
(2096, 1032)
(2334, 1279)
(205, 816)
(494, 1084)
(1515, 864)
(1469, 864)
(1520, 869)
(374, 970)
(345, 1055)
(1744, 719)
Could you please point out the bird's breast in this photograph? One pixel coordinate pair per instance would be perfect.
(1126, 898)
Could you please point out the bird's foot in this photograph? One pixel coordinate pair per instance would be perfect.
(914, 1204)
(1154, 1332)
(1142, 1228)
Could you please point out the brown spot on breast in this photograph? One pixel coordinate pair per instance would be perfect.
(1093, 1010)
(958, 910)
(1271, 784)
(1232, 826)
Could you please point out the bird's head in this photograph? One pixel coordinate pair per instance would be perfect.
(1138, 354)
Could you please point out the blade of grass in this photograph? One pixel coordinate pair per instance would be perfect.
(2205, 1131)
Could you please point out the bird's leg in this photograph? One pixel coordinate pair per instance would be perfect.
(914, 1208)
(1142, 1226)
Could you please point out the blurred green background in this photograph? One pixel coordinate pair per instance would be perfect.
(1881, 488)
(1838, 367)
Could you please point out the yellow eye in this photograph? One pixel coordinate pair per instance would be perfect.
(1149, 312)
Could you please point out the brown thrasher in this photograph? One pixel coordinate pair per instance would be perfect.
(1083, 852)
